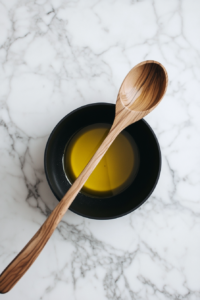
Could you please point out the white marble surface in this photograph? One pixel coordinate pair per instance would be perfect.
(55, 56)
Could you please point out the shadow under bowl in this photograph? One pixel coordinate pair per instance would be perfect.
(126, 201)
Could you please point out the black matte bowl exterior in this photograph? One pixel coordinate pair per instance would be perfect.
(125, 202)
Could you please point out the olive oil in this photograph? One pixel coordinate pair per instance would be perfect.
(116, 170)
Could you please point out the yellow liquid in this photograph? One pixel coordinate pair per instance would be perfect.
(116, 170)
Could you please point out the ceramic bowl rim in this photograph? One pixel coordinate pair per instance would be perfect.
(119, 215)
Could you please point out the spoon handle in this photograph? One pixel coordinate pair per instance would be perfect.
(21, 263)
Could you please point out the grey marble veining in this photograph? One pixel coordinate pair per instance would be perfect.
(56, 56)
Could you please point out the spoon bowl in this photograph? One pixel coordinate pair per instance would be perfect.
(144, 86)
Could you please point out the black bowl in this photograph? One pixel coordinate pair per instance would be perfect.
(128, 200)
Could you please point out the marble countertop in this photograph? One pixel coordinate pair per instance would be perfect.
(56, 56)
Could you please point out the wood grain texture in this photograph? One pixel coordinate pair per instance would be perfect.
(140, 92)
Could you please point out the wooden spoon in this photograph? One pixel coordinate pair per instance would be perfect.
(140, 92)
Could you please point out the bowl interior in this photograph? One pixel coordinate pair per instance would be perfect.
(126, 201)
